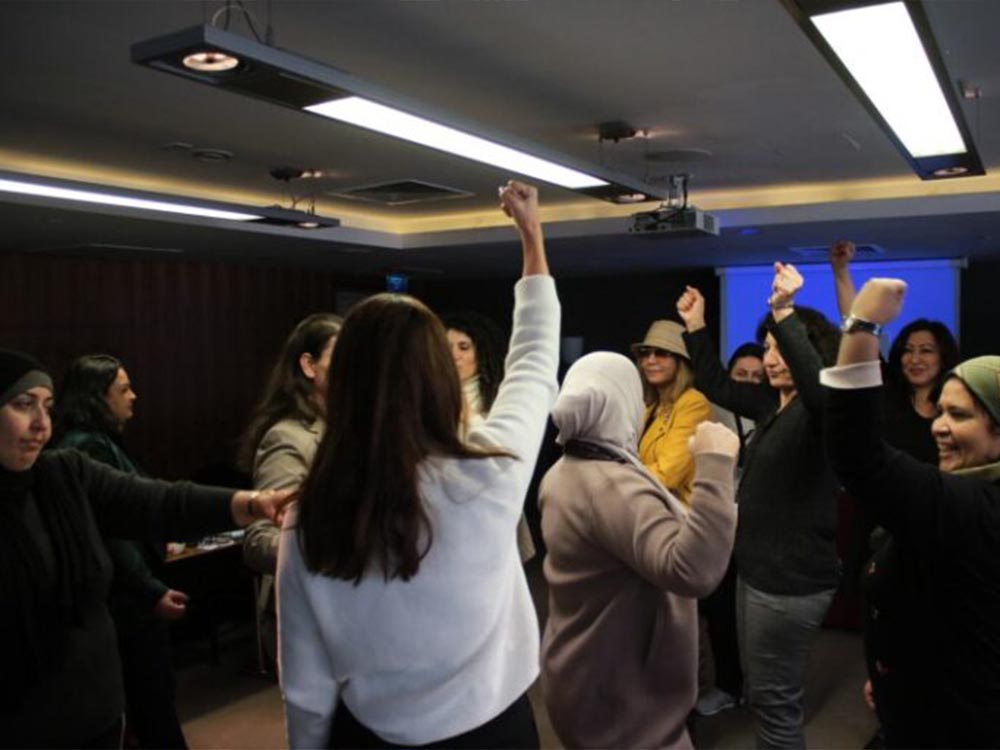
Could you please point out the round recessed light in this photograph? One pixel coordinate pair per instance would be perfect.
(211, 61)
(950, 171)
(309, 224)
(212, 154)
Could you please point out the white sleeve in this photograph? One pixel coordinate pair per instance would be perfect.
(520, 411)
(849, 377)
(308, 686)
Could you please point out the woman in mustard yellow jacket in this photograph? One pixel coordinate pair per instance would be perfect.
(673, 407)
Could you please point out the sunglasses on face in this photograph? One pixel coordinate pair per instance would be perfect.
(644, 351)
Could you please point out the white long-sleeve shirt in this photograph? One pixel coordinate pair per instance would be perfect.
(454, 646)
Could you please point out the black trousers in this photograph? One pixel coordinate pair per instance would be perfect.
(719, 609)
(514, 728)
(109, 739)
(149, 685)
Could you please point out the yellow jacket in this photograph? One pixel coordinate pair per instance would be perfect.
(664, 446)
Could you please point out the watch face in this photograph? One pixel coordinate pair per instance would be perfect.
(853, 324)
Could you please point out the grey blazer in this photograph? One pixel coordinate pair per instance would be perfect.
(282, 461)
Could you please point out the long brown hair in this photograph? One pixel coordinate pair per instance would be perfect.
(393, 400)
(288, 393)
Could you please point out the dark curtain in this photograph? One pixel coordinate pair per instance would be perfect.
(197, 338)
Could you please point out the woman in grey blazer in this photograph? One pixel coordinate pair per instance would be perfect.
(287, 425)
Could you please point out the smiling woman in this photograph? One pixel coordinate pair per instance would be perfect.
(935, 580)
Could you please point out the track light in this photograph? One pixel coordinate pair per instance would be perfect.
(887, 56)
(283, 78)
(81, 192)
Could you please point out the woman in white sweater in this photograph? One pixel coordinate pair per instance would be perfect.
(404, 614)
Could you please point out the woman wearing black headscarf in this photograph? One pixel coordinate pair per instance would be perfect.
(61, 682)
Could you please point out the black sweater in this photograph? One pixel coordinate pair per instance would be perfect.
(83, 698)
(932, 630)
(786, 534)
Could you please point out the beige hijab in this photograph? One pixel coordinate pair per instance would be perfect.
(601, 403)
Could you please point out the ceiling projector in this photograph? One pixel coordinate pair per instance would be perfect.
(678, 221)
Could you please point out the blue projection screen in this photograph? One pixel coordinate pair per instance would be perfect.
(932, 292)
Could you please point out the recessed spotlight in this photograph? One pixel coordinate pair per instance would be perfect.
(212, 154)
(309, 224)
(211, 62)
(950, 171)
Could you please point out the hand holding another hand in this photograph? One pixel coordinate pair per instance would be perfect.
(274, 503)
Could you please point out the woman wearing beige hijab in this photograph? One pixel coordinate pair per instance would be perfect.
(625, 565)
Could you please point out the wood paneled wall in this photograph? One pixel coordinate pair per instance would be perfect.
(197, 338)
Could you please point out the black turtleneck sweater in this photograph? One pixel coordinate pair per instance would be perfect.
(70, 702)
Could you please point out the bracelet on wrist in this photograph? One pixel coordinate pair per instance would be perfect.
(854, 324)
(252, 504)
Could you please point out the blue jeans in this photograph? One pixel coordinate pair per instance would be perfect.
(777, 633)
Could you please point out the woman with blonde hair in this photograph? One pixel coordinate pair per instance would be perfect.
(674, 408)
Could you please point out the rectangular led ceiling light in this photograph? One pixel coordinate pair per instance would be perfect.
(224, 60)
(389, 121)
(33, 185)
(109, 199)
(887, 55)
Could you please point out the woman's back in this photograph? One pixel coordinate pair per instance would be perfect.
(422, 653)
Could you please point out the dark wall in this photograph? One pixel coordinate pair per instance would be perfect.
(197, 338)
(980, 318)
(610, 312)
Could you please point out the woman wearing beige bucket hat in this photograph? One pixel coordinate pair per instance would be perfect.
(674, 408)
(933, 591)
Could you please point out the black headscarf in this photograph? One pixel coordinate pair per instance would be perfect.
(37, 602)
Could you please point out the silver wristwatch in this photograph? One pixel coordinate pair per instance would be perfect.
(853, 324)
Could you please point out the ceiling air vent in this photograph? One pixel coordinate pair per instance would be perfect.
(822, 252)
(401, 193)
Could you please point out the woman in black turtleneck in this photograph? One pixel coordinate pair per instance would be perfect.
(61, 680)
(96, 401)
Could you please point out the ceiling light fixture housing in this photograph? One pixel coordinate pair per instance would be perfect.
(87, 193)
(293, 81)
(887, 55)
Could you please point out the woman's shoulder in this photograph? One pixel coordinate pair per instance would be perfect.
(79, 438)
(292, 429)
(692, 398)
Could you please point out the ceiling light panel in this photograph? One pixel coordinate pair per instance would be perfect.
(389, 121)
(886, 54)
(880, 47)
(104, 195)
(110, 199)
(293, 81)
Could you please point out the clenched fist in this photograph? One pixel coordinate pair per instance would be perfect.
(712, 437)
(879, 301)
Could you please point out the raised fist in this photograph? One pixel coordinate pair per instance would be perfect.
(841, 254)
(879, 301)
(712, 437)
(691, 308)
